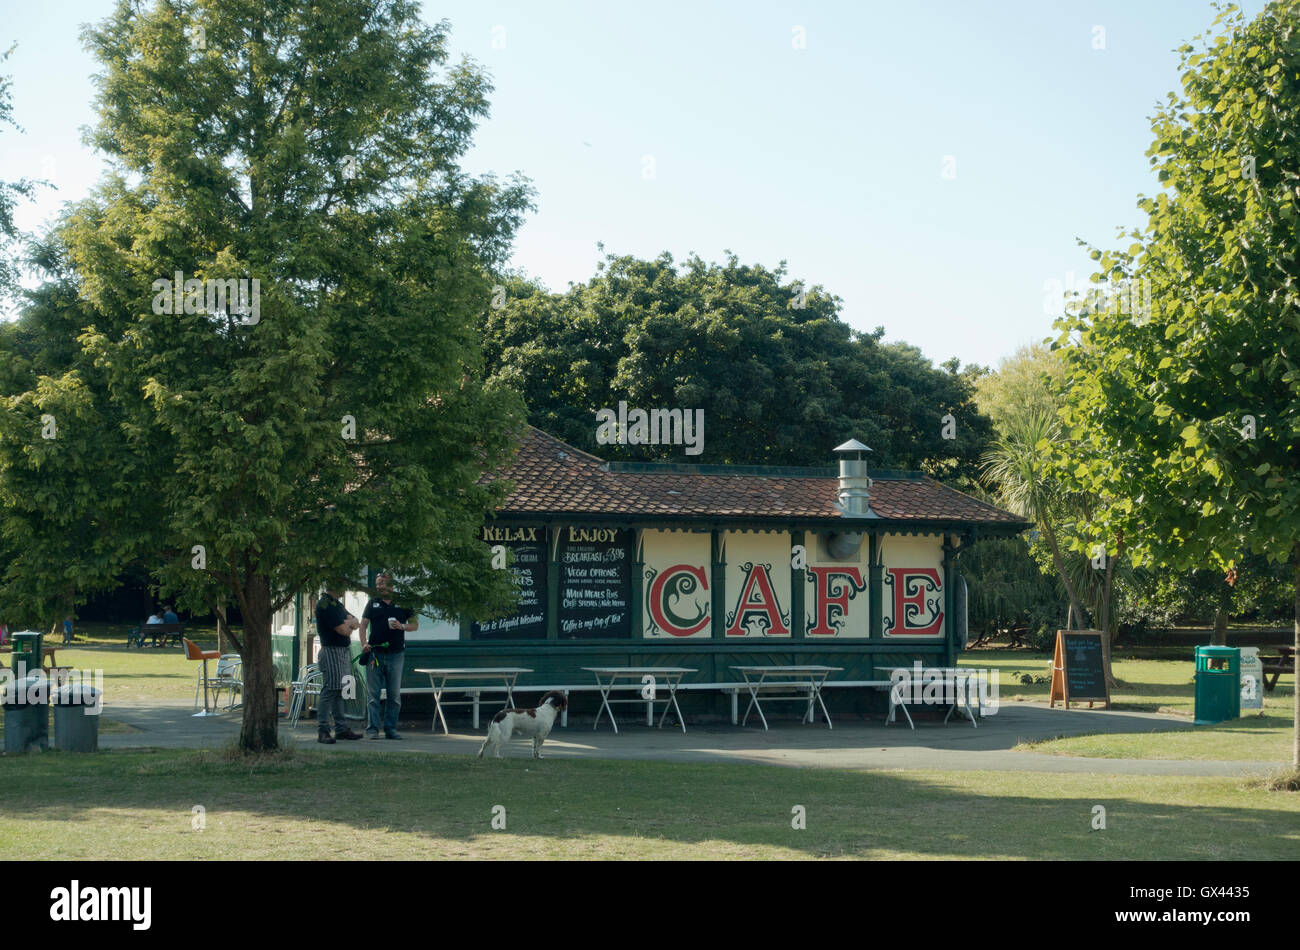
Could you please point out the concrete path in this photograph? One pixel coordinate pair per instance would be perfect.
(852, 744)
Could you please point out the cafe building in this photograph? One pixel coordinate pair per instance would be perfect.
(712, 566)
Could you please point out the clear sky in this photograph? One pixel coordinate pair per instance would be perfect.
(932, 163)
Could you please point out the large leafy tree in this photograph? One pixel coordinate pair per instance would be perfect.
(780, 377)
(251, 456)
(1186, 419)
(11, 193)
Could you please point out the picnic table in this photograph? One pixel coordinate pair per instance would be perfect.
(608, 676)
(1275, 666)
(438, 679)
(800, 682)
(50, 666)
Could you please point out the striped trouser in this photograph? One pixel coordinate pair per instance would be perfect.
(335, 663)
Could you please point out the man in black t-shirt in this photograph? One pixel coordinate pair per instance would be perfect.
(387, 625)
(334, 626)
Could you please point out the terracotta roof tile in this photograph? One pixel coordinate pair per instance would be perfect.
(552, 477)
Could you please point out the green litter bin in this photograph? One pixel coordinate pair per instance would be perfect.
(27, 652)
(27, 713)
(1218, 684)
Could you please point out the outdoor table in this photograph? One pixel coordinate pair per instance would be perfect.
(792, 677)
(57, 673)
(931, 674)
(607, 676)
(438, 679)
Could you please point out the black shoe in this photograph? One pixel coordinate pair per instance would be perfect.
(371, 735)
(326, 738)
(392, 735)
(347, 734)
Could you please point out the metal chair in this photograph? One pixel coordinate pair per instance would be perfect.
(309, 683)
(229, 677)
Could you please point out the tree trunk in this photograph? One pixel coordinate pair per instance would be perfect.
(1109, 625)
(1219, 637)
(260, 732)
(1295, 754)
(1076, 606)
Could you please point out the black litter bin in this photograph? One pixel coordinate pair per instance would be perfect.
(27, 713)
(76, 718)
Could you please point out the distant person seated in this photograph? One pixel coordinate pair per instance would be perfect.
(154, 619)
(169, 616)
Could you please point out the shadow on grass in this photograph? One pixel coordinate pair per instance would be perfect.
(606, 808)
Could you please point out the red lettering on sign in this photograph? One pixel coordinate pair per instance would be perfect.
(757, 582)
(673, 584)
(825, 600)
(910, 590)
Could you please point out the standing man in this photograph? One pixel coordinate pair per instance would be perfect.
(388, 625)
(334, 626)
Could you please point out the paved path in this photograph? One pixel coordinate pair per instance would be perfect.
(852, 744)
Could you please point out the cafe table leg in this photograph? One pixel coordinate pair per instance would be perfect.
(437, 707)
(604, 704)
(672, 702)
(817, 689)
(753, 700)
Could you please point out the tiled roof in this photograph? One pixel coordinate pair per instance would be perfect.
(554, 478)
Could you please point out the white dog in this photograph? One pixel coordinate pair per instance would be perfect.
(534, 723)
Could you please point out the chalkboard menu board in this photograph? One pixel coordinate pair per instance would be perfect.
(1079, 668)
(595, 583)
(528, 551)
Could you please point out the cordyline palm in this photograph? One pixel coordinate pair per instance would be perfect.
(1018, 466)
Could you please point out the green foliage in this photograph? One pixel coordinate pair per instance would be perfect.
(779, 383)
(10, 193)
(1009, 592)
(1028, 382)
(264, 153)
(1188, 423)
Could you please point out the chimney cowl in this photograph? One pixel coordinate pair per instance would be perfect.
(854, 495)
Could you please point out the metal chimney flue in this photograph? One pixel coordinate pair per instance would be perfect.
(855, 485)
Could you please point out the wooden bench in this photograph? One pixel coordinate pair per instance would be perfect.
(165, 632)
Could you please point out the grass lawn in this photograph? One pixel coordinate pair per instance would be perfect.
(358, 805)
(1159, 679)
(131, 673)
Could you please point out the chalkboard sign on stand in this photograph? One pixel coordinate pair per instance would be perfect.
(1079, 668)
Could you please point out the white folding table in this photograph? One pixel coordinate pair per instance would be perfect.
(801, 679)
(910, 687)
(608, 676)
(438, 679)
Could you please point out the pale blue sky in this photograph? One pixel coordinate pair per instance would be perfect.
(830, 156)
